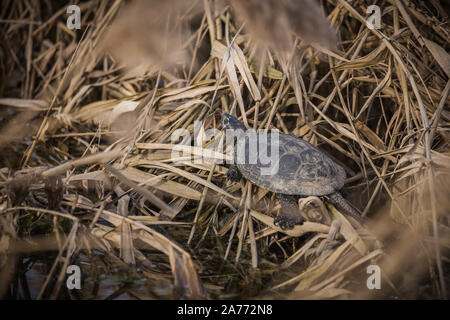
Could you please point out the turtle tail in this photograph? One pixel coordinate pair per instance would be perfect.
(340, 203)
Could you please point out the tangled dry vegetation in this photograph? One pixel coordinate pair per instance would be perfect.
(88, 176)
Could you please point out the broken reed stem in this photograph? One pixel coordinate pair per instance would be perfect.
(235, 224)
(95, 158)
(144, 192)
(200, 205)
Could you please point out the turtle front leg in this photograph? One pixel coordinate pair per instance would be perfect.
(233, 173)
(289, 214)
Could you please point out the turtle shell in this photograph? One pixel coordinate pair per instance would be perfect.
(299, 168)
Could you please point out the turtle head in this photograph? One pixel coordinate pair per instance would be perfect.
(230, 122)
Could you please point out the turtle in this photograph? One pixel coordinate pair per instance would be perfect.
(302, 170)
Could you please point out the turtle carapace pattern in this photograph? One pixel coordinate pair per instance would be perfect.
(300, 170)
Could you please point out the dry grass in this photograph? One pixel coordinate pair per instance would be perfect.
(88, 176)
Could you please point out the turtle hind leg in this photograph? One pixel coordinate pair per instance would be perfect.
(340, 203)
(233, 173)
(289, 214)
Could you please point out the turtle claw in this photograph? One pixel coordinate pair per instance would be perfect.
(285, 223)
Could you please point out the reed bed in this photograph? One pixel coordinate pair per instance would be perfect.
(89, 122)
